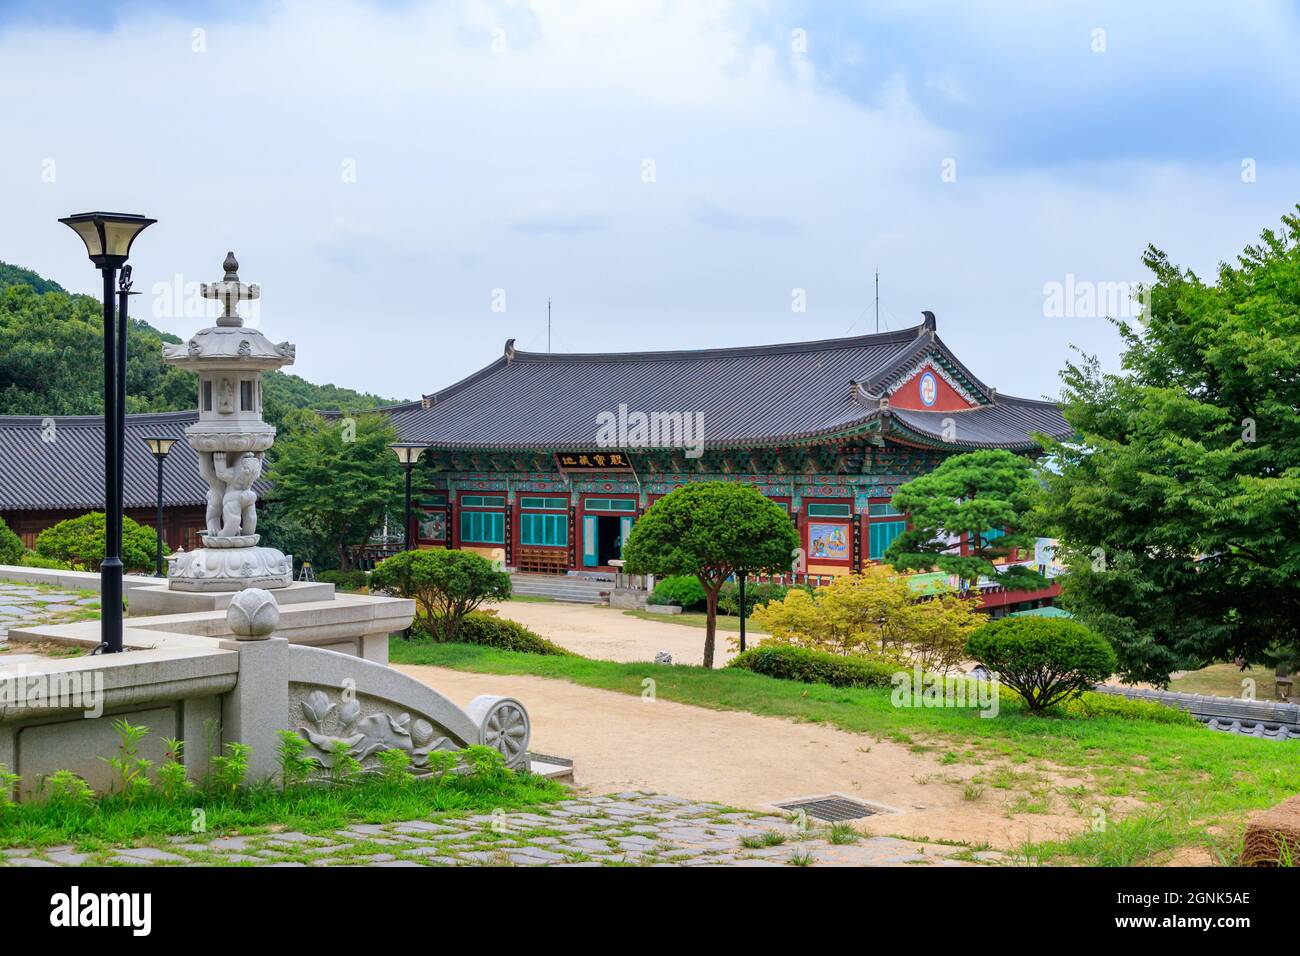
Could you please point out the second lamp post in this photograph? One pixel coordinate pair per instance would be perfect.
(408, 453)
(159, 448)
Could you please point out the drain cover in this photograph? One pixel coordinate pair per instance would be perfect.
(831, 809)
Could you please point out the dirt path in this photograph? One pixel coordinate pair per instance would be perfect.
(620, 742)
(608, 634)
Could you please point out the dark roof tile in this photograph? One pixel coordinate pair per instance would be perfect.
(63, 466)
(758, 394)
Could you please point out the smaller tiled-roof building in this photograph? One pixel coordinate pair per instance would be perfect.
(52, 468)
(546, 460)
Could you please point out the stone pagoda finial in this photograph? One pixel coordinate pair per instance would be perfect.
(230, 292)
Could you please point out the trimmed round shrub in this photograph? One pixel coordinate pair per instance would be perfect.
(503, 634)
(815, 667)
(684, 591)
(79, 542)
(11, 546)
(1045, 660)
(446, 585)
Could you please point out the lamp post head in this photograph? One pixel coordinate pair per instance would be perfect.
(107, 235)
(408, 452)
(160, 447)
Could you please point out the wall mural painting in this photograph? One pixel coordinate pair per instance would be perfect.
(433, 526)
(828, 541)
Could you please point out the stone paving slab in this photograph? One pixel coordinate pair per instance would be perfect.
(24, 606)
(641, 829)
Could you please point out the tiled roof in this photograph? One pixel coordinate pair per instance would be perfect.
(62, 466)
(1006, 423)
(747, 396)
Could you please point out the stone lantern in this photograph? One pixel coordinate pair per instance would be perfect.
(230, 438)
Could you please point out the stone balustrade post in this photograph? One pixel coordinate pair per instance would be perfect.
(257, 708)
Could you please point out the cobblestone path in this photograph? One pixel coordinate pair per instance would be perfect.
(637, 829)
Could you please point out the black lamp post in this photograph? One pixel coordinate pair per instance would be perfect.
(408, 453)
(160, 448)
(108, 237)
(743, 608)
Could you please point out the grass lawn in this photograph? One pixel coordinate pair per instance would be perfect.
(1225, 680)
(532, 599)
(309, 809)
(1195, 786)
(697, 619)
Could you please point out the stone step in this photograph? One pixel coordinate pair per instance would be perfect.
(560, 587)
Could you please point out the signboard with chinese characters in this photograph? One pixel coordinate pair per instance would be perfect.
(592, 461)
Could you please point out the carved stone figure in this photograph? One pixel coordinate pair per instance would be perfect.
(216, 492)
(226, 397)
(239, 501)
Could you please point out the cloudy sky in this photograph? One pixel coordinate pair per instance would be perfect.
(410, 181)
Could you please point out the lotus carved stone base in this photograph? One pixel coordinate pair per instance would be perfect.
(230, 569)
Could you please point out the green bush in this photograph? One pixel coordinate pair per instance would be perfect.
(11, 546)
(345, 580)
(31, 559)
(446, 585)
(1091, 704)
(684, 591)
(815, 667)
(79, 543)
(1045, 660)
(492, 631)
(756, 595)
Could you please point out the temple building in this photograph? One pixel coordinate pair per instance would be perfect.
(545, 461)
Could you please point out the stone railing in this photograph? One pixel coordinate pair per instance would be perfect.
(246, 684)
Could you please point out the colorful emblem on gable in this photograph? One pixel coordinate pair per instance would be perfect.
(929, 389)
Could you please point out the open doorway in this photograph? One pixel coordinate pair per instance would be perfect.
(609, 541)
(603, 537)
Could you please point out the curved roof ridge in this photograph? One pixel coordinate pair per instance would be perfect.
(738, 351)
(1027, 401)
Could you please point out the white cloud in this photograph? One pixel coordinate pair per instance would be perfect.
(524, 170)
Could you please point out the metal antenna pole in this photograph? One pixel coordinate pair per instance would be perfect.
(877, 301)
(548, 323)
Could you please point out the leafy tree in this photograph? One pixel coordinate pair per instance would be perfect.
(983, 495)
(11, 546)
(286, 532)
(51, 360)
(711, 530)
(446, 585)
(875, 613)
(1177, 507)
(336, 479)
(79, 543)
(1043, 659)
